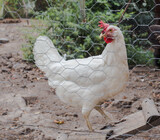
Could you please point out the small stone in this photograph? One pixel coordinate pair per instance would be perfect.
(9, 55)
(23, 86)
(139, 108)
(12, 59)
(19, 66)
(9, 65)
(4, 40)
(75, 115)
(135, 99)
(28, 68)
(30, 100)
(4, 70)
(20, 101)
(4, 113)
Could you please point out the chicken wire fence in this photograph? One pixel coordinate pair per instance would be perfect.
(72, 26)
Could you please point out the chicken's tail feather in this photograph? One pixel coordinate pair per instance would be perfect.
(45, 52)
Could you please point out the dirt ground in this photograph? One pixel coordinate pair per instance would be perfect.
(30, 109)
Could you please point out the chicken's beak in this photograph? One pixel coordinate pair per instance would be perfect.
(101, 35)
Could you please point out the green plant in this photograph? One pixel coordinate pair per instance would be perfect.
(27, 53)
(28, 49)
(79, 39)
(16, 8)
(138, 56)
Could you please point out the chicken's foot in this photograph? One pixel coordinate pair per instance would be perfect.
(99, 109)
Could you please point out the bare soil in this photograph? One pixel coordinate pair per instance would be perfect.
(30, 109)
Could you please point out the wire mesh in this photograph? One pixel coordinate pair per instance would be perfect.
(78, 68)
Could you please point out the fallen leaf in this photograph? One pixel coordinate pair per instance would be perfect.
(59, 121)
(124, 97)
(107, 102)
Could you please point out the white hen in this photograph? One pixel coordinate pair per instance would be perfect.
(87, 82)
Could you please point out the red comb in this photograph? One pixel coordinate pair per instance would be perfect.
(103, 25)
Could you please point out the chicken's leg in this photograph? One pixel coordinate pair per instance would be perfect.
(98, 108)
(86, 117)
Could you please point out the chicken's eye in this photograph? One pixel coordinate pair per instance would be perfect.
(110, 30)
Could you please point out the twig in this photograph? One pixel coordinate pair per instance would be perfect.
(124, 12)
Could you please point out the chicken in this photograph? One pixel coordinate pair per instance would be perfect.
(86, 83)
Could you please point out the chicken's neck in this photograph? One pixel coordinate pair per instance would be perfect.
(115, 52)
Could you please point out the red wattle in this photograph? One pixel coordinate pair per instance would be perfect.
(108, 40)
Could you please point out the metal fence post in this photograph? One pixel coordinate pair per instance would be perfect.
(1, 9)
(82, 10)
